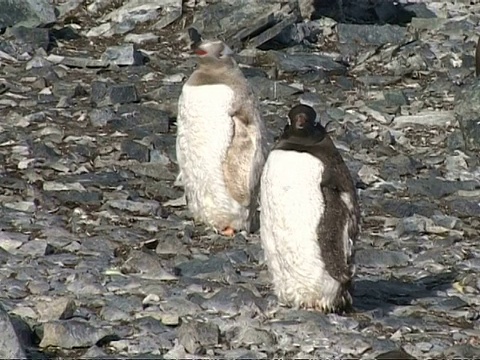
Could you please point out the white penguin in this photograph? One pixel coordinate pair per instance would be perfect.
(309, 217)
(221, 143)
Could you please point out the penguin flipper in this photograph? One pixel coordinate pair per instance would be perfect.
(237, 163)
(331, 237)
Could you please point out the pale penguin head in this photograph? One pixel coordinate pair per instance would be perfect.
(208, 48)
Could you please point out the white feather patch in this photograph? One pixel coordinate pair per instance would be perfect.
(292, 207)
(204, 131)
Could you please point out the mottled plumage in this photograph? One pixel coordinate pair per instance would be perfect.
(310, 217)
(221, 146)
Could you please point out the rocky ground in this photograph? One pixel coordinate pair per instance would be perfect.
(98, 255)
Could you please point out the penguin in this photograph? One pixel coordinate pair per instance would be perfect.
(310, 217)
(221, 141)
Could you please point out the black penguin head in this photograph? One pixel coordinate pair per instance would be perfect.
(303, 123)
(213, 49)
(302, 118)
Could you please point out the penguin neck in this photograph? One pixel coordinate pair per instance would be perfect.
(210, 61)
(303, 138)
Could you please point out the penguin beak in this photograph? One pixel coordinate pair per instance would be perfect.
(200, 52)
(300, 121)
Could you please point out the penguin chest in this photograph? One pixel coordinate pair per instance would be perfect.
(292, 207)
(291, 201)
(204, 133)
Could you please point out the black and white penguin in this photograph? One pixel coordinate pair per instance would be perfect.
(310, 217)
(221, 143)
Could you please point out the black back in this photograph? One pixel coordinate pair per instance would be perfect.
(304, 135)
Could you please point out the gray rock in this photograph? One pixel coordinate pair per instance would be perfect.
(380, 258)
(437, 188)
(196, 335)
(70, 334)
(307, 62)
(102, 116)
(94, 352)
(36, 248)
(58, 309)
(30, 13)
(76, 62)
(269, 89)
(10, 344)
(465, 112)
(104, 93)
(246, 336)
(135, 150)
(204, 268)
(70, 90)
(400, 165)
(141, 121)
(123, 55)
(125, 17)
(396, 97)
(463, 351)
(371, 34)
(232, 299)
(412, 225)
(29, 39)
(268, 19)
(402, 208)
(141, 38)
(464, 208)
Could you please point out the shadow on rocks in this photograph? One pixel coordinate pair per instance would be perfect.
(387, 294)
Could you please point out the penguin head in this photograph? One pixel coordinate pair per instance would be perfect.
(215, 49)
(303, 120)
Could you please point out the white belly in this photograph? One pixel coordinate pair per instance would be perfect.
(204, 131)
(291, 207)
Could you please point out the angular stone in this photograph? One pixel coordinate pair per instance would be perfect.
(466, 110)
(123, 55)
(10, 343)
(141, 38)
(380, 258)
(141, 120)
(69, 334)
(57, 309)
(69, 90)
(196, 335)
(76, 61)
(437, 188)
(232, 299)
(29, 39)
(426, 118)
(29, 13)
(102, 116)
(104, 94)
(464, 208)
(306, 62)
(371, 34)
(254, 19)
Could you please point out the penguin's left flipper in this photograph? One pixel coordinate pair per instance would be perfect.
(331, 235)
(237, 165)
(329, 182)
